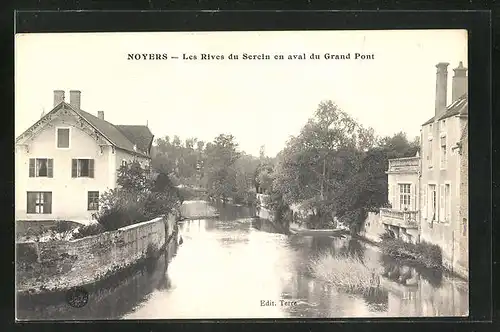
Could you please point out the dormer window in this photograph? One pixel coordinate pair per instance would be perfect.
(62, 138)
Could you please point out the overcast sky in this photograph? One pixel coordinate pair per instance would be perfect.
(260, 102)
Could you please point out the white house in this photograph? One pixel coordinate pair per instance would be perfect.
(403, 218)
(69, 157)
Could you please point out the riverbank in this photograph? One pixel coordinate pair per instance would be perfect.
(409, 260)
(57, 266)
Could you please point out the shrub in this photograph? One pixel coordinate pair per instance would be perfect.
(138, 198)
(428, 255)
(346, 272)
(190, 194)
(387, 235)
(26, 253)
(120, 216)
(63, 226)
(88, 230)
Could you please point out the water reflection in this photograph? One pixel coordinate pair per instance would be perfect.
(110, 299)
(228, 265)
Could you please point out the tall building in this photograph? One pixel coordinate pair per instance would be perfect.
(444, 171)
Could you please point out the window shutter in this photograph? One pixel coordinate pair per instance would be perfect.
(47, 202)
(32, 168)
(441, 203)
(91, 168)
(393, 196)
(30, 200)
(448, 212)
(50, 167)
(424, 202)
(413, 197)
(74, 163)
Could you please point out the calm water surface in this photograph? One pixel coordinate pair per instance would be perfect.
(226, 266)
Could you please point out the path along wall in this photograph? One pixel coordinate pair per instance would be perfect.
(60, 265)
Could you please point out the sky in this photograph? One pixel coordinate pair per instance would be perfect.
(260, 102)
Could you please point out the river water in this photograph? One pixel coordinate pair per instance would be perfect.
(228, 267)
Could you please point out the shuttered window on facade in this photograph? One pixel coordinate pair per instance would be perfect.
(413, 196)
(82, 168)
(404, 196)
(424, 202)
(41, 167)
(441, 203)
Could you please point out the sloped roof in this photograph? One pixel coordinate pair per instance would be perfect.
(139, 135)
(123, 138)
(459, 106)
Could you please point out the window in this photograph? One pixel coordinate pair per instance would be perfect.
(429, 152)
(41, 167)
(82, 168)
(63, 138)
(39, 202)
(447, 202)
(432, 202)
(464, 226)
(124, 162)
(443, 156)
(404, 197)
(93, 200)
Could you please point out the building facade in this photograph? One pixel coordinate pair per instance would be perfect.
(68, 158)
(402, 219)
(443, 199)
(428, 194)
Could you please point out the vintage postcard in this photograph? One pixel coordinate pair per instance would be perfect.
(219, 175)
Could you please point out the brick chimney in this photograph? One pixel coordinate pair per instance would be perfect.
(100, 115)
(58, 97)
(459, 82)
(74, 99)
(441, 87)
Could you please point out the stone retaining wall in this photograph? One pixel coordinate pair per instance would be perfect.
(59, 265)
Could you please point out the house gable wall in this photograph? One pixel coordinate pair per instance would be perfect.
(69, 195)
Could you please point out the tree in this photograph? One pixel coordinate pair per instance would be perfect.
(317, 164)
(219, 171)
(138, 197)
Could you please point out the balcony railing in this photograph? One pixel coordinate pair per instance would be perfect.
(406, 219)
(404, 164)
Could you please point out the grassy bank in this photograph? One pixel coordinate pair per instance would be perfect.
(346, 272)
(425, 254)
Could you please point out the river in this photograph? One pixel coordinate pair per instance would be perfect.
(227, 267)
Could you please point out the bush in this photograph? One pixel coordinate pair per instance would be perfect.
(387, 235)
(190, 194)
(63, 226)
(138, 198)
(120, 216)
(346, 272)
(88, 230)
(428, 255)
(26, 253)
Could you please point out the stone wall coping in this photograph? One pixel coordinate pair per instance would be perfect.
(144, 223)
(126, 228)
